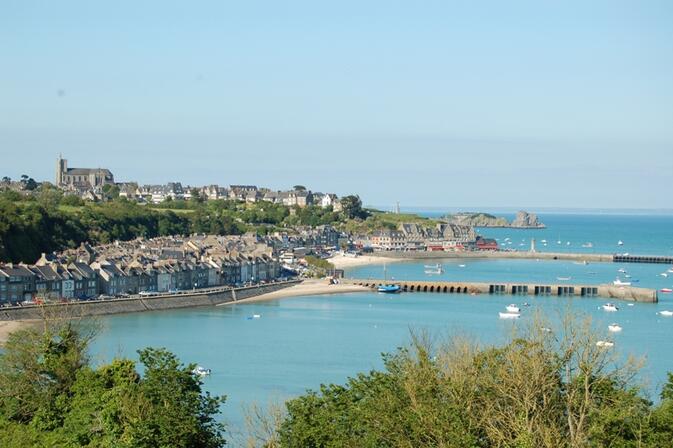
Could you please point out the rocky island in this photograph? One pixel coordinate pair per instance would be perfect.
(523, 220)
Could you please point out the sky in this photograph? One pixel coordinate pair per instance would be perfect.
(433, 103)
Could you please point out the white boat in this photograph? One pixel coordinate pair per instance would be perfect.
(433, 271)
(543, 241)
(621, 270)
(605, 344)
(512, 308)
(627, 275)
(666, 290)
(256, 316)
(509, 315)
(563, 279)
(558, 242)
(461, 265)
(663, 274)
(620, 243)
(588, 245)
(619, 282)
(614, 328)
(546, 329)
(567, 243)
(610, 307)
(666, 313)
(670, 270)
(201, 371)
(583, 262)
(433, 266)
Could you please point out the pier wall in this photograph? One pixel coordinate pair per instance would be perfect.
(139, 304)
(596, 258)
(527, 289)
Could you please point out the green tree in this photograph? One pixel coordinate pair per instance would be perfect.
(352, 207)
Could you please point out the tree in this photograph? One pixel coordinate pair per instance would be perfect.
(51, 396)
(299, 188)
(352, 207)
(110, 191)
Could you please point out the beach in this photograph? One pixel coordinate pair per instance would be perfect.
(7, 327)
(306, 288)
(341, 262)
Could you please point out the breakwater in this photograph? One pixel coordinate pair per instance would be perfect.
(184, 299)
(594, 258)
(526, 289)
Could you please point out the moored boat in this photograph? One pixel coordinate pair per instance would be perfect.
(201, 371)
(610, 307)
(509, 315)
(666, 290)
(614, 328)
(666, 313)
(512, 308)
(605, 344)
(389, 289)
(620, 282)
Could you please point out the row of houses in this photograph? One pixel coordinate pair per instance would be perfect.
(245, 193)
(169, 264)
(411, 236)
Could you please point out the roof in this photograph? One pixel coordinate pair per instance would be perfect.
(87, 171)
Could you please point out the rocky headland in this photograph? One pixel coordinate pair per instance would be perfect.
(523, 220)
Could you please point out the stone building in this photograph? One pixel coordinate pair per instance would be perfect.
(81, 178)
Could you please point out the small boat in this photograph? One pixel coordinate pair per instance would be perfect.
(666, 290)
(558, 242)
(663, 274)
(621, 270)
(509, 315)
(256, 316)
(630, 304)
(567, 243)
(666, 313)
(201, 371)
(543, 241)
(627, 275)
(563, 279)
(619, 282)
(614, 328)
(583, 262)
(461, 265)
(620, 243)
(433, 266)
(512, 308)
(546, 329)
(389, 289)
(434, 271)
(670, 270)
(610, 307)
(605, 344)
(588, 245)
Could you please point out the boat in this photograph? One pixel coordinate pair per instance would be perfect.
(434, 271)
(670, 270)
(461, 265)
(201, 371)
(583, 262)
(663, 274)
(543, 241)
(620, 243)
(621, 270)
(605, 344)
(256, 316)
(546, 329)
(563, 279)
(433, 266)
(614, 328)
(389, 289)
(627, 275)
(610, 307)
(567, 243)
(509, 315)
(619, 282)
(666, 290)
(666, 313)
(588, 245)
(512, 308)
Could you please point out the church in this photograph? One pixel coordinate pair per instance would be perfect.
(81, 178)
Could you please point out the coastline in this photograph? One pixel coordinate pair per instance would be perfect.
(10, 326)
(342, 262)
(306, 288)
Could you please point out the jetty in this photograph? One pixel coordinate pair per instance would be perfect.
(524, 289)
(526, 255)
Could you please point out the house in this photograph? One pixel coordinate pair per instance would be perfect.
(17, 283)
(388, 240)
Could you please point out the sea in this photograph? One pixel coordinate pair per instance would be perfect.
(299, 343)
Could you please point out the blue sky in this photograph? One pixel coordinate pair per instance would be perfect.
(461, 104)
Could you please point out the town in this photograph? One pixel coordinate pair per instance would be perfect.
(173, 263)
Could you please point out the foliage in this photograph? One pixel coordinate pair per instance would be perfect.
(352, 207)
(51, 396)
(540, 390)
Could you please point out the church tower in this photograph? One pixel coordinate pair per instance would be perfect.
(61, 169)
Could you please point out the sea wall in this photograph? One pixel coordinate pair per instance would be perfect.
(627, 293)
(136, 304)
(424, 255)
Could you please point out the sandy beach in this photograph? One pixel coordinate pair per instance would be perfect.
(306, 288)
(6, 327)
(341, 262)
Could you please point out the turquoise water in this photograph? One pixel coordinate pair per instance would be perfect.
(301, 342)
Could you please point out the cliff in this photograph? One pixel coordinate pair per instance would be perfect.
(525, 220)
